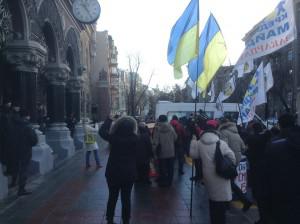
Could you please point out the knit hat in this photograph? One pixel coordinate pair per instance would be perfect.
(212, 123)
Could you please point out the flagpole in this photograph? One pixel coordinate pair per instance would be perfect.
(239, 107)
(193, 162)
(195, 118)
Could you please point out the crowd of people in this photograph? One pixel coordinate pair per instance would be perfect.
(273, 158)
(273, 162)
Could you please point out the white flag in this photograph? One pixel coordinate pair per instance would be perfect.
(269, 81)
(211, 92)
(228, 89)
(255, 95)
(261, 93)
(192, 85)
(244, 68)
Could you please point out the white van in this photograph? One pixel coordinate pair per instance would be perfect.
(212, 110)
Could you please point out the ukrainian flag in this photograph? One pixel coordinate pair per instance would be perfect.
(183, 43)
(212, 54)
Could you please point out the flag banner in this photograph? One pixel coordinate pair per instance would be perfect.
(261, 92)
(196, 66)
(228, 89)
(183, 43)
(215, 53)
(250, 100)
(193, 86)
(269, 81)
(244, 68)
(274, 32)
(211, 92)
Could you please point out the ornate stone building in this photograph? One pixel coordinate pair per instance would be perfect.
(46, 60)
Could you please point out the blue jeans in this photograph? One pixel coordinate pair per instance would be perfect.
(87, 157)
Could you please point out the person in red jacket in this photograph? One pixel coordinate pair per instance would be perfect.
(179, 144)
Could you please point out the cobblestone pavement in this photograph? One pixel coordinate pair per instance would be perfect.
(71, 194)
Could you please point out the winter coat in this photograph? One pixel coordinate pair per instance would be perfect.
(6, 135)
(229, 133)
(219, 189)
(180, 131)
(165, 135)
(144, 147)
(90, 138)
(27, 138)
(282, 180)
(256, 155)
(122, 160)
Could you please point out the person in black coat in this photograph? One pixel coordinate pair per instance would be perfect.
(27, 138)
(144, 154)
(257, 142)
(282, 173)
(5, 132)
(121, 170)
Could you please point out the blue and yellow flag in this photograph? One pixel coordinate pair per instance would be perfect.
(183, 43)
(212, 54)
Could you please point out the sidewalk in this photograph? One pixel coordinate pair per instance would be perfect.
(71, 194)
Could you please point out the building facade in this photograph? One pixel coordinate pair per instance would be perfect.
(46, 57)
(105, 78)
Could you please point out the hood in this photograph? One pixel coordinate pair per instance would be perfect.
(294, 138)
(209, 138)
(230, 126)
(165, 127)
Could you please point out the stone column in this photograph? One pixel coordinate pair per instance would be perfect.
(26, 57)
(74, 86)
(58, 135)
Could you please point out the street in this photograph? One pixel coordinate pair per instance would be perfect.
(71, 194)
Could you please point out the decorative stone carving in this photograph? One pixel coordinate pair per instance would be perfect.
(48, 12)
(57, 73)
(26, 56)
(75, 84)
(5, 24)
(31, 8)
(72, 40)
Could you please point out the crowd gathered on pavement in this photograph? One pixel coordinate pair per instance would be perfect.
(216, 147)
(273, 158)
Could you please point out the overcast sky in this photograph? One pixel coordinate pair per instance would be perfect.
(143, 27)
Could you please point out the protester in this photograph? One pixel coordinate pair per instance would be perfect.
(144, 154)
(27, 138)
(121, 166)
(229, 133)
(71, 122)
(218, 188)
(164, 137)
(256, 154)
(13, 149)
(179, 144)
(5, 132)
(282, 171)
(91, 145)
(193, 129)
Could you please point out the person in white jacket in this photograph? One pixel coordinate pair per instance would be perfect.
(218, 188)
(91, 145)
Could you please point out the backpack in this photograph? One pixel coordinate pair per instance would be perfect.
(224, 166)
